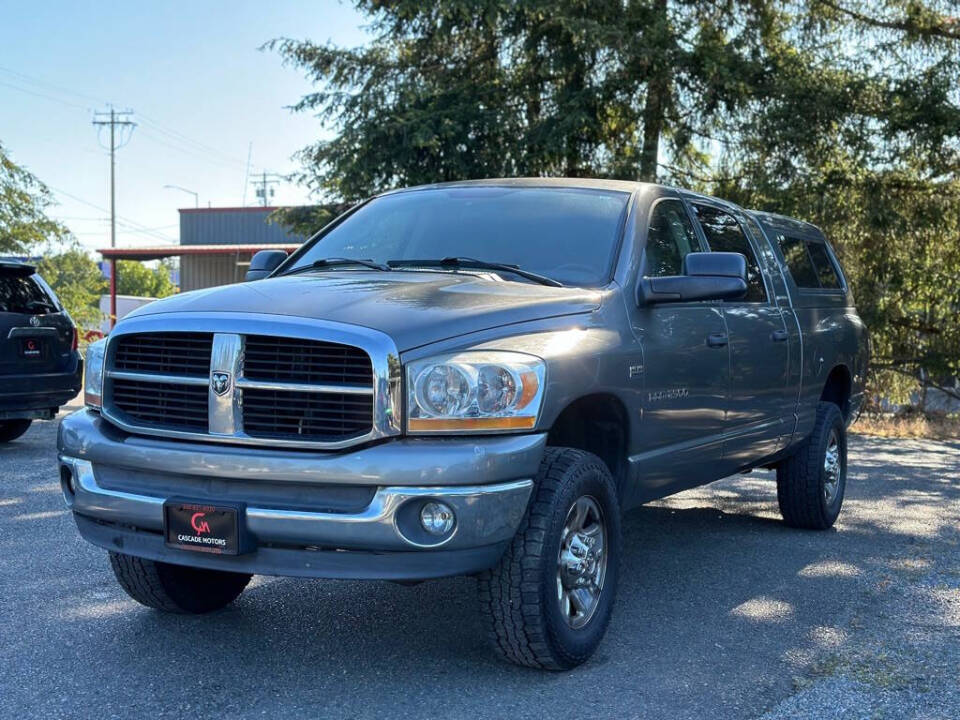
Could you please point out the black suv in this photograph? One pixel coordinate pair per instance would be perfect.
(40, 366)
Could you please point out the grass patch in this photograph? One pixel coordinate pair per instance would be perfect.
(870, 668)
(908, 426)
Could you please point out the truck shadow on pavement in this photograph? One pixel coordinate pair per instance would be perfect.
(722, 611)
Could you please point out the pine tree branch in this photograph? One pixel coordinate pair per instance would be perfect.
(947, 27)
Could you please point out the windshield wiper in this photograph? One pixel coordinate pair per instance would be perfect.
(336, 262)
(466, 263)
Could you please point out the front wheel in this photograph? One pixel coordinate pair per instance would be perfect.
(548, 602)
(811, 482)
(12, 429)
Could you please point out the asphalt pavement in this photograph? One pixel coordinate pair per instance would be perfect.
(723, 612)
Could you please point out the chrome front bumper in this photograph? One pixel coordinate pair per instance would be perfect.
(486, 514)
(116, 485)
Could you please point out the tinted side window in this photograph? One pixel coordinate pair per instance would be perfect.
(799, 262)
(826, 272)
(724, 234)
(669, 239)
(19, 294)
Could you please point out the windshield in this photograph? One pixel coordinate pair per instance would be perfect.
(567, 234)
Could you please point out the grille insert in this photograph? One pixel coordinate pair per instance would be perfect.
(164, 353)
(305, 416)
(283, 390)
(305, 361)
(162, 405)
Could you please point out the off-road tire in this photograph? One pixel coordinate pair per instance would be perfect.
(12, 429)
(518, 597)
(801, 477)
(176, 588)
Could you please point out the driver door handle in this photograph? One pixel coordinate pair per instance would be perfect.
(716, 340)
(779, 335)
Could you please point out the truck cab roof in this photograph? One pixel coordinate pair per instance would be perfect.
(774, 221)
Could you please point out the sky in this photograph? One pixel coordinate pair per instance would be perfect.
(201, 91)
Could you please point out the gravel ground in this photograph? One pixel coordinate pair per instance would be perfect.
(723, 613)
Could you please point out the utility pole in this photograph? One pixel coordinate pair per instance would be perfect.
(115, 119)
(263, 183)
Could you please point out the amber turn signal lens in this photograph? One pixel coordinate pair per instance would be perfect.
(530, 387)
(504, 423)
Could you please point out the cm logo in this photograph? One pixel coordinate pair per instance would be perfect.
(199, 525)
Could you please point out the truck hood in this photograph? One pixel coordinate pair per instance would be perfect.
(414, 308)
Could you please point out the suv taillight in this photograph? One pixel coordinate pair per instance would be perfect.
(75, 343)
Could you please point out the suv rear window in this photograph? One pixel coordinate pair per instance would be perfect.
(809, 264)
(22, 294)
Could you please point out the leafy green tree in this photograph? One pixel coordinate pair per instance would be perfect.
(78, 282)
(135, 278)
(23, 203)
(865, 143)
(842, 112)
(480, 88)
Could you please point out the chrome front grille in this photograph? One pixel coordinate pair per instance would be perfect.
(305, 361)
(173, 353)
(312, 416)
(251, 388)
(162, 404)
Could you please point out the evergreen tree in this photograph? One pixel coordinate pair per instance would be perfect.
(845, 113)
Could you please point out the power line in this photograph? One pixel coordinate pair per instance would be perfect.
(192, 147)
(185, 150)
(124, 220)
(37, 81)
(178, 136)
(42, 95)
(117, 119)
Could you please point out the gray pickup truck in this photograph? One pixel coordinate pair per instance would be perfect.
(471, 378)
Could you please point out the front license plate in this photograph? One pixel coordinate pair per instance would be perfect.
(205, 528)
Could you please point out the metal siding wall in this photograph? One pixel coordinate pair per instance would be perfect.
(203, 271)
(232, 227)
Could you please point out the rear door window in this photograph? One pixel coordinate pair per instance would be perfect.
(826, 272)
(809, 264)
(22, 294)
(724, 234)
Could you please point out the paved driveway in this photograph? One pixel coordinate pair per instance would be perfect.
(723, 613)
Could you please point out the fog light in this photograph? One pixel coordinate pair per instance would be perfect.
(436, 518)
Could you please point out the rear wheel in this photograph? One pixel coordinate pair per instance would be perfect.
(811, 482)
(548, 602)
(176, 588)
(12, 429)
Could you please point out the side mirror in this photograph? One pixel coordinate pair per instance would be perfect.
(707, 276)
(264, 263)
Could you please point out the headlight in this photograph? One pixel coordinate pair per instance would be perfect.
(474, 392)
(93, 374)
